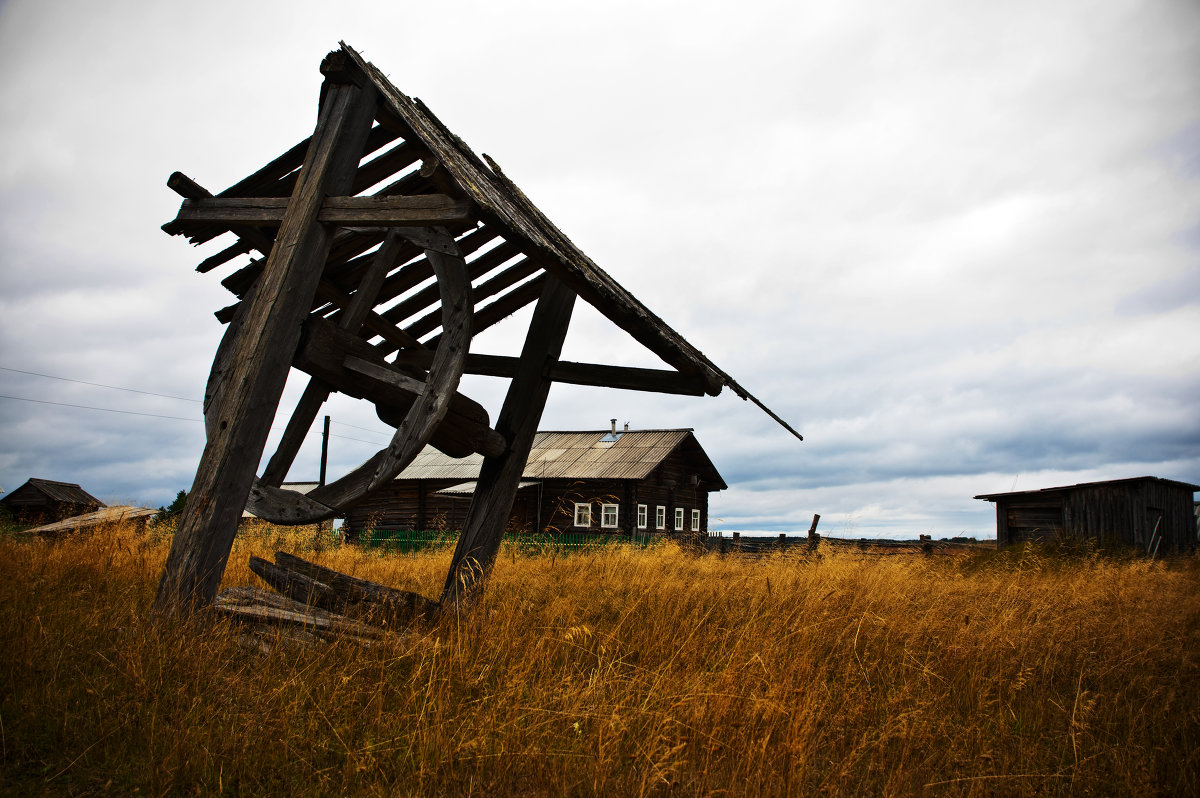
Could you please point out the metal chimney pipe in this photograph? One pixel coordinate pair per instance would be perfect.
(614, 426)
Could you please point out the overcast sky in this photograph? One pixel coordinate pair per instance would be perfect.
(955, 244)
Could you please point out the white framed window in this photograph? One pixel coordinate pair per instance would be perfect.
(695, 520)
(583, 514)
(608, 515)
(643, 516)
(678, 519)
(660, 517)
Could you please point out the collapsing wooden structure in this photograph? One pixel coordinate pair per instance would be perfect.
(1153, 514)
(380, 246)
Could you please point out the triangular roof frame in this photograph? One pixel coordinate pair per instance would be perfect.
(495, 208)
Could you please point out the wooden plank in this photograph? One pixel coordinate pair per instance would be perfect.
(201, 545)
(316, 392)
(387, 164)
(429, 295)
(427, 412)
(373, 321)
(351, 591)
(505, 306)
(239, 247)
(506, 279)
(278, 178)
(499, 476)
(422, 209)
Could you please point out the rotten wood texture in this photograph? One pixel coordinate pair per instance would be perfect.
(257, 606)
(499, 476)
(201, 545)
(433, 209)
(317, 586)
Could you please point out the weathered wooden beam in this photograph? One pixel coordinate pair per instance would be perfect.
(505, 306)
(429, 295)
(242, 417)
(278, 178)
(316, 392)
(387, 164)
(422, 209)
(192, 191)
(625, 378)
(499, 476)
(427, 413)
(502, 281)
(346, 592)
(239, 247)
(373, 321)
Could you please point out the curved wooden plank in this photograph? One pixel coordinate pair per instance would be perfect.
(427, 412)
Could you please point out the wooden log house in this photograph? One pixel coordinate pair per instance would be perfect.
(44, 501)
(1153, 514)
(623, 482)
(377, 249)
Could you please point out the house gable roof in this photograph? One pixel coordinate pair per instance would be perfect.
(61, 492)
(991, 497)
(577, 455)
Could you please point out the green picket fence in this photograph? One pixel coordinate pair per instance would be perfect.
(407, 541)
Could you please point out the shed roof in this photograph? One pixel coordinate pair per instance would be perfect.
(64, 492)
(106, 515)
(1107, 483)
(580, 455)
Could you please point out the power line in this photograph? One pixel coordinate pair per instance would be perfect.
(105, 409)
(98, 385)
(156, 415)
(364, 429)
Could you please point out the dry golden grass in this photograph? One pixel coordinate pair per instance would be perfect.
(624, 672)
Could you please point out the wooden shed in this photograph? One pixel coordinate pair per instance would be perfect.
(608, 481)
(1154, 514)
(42, 501)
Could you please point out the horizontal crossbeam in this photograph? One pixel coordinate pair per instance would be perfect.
(422, 209)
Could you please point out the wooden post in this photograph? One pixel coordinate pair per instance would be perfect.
(324, 451)
(518, 421)
(242, 415)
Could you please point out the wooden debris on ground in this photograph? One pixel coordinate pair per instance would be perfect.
(310, 603)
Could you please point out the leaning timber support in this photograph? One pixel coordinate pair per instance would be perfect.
(256, 376)
(518, 421)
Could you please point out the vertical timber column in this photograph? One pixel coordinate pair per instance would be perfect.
(261, 356)
(518, 422)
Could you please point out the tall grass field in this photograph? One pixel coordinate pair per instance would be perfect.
(625, 671)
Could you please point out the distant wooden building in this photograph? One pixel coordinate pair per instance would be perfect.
(1151, 513)
(615, 481)
(43, 501)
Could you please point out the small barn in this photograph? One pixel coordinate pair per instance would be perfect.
(1154, 514)
(605, 481)
(43, 501)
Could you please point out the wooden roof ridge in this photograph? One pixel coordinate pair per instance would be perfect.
(500, 201)
(576, 460)
(69, 492)
(1097, 484)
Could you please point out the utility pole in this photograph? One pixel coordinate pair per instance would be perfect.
(324, 451)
